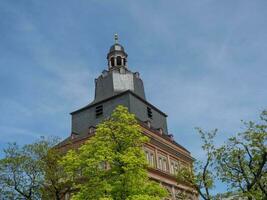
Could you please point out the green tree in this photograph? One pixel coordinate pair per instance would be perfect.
(21, 174)
(202, 176)
(111, 164)
(32, 171)
(241, 161)
(55, 185)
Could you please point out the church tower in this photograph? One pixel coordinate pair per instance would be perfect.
(118, 85)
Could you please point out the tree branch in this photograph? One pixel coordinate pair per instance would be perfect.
(204, 177)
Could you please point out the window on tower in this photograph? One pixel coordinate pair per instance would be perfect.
(98, 111)
(149, 113)
(112, 63)
(119, 59)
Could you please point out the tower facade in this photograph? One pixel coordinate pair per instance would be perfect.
(118, 85)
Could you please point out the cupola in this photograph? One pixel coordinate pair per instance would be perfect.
(117, 57)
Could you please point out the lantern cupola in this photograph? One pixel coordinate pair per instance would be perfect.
(117, 57)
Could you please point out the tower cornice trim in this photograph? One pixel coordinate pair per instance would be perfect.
(118, 95)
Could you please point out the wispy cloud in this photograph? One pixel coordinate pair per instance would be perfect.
(202, 62)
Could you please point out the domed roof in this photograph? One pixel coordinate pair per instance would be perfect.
(116, 47)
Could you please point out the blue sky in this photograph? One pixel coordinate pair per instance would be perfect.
(202, 62)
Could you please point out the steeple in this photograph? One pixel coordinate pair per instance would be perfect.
(118, 78)
(117, 57)
(115, 86)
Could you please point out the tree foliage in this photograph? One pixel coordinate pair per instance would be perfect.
(31, 171)
(21, 170)
(111, 165)
(55, 184)
(241, 161)
(202, 177)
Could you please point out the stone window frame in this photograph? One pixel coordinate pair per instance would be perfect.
(174, 166)
(150, 156)
(162, 162)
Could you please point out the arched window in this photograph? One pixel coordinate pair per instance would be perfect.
(112, 62)
(119, 61)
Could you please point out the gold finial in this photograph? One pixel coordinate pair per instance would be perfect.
(116, 37)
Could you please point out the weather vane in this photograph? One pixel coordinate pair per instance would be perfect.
(116, 37)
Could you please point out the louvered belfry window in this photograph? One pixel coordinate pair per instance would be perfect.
(149, 113)
(98, 111)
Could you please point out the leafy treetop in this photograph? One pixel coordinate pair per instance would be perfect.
(111, 164)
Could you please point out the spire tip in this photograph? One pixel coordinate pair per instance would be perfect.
(116, 37)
